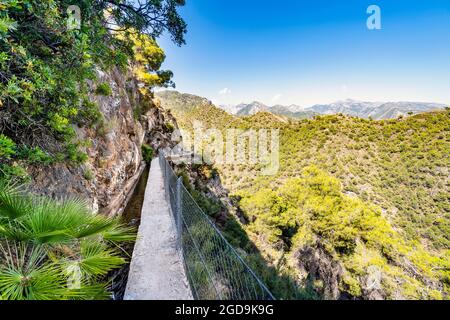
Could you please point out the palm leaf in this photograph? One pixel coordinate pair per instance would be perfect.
(43, 283)
(97, 259)
(14, 230)
(94, 225)
(26, 277)
(119, 233)
(87, 291)
(41, 239)
(13, 202)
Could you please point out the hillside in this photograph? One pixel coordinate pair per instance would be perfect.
(355, 201)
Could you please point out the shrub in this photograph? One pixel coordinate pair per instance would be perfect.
(45, 68)
(13, 172)
(74, 155)
(34, 155)
(147, 153)
(103, 89)
(89, 114)
(149, 57)
(7, 147)
(88, 174)
(168, 127)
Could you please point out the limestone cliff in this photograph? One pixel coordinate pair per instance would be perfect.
(115, 159)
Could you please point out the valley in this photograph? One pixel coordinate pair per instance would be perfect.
(354, 200)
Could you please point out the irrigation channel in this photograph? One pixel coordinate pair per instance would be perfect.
(131, 216)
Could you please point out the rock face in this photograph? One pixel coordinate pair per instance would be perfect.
(115, 160)
(321, 267)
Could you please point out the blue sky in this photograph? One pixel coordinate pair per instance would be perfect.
(315, 51)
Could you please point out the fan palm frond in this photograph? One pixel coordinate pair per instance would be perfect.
(91, 292)
(94, 225)
(119, 233)
(55, 249)
(97, 259)
(13, 202)
(25, 275)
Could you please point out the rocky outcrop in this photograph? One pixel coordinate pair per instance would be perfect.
(322, 269)
(114, 150)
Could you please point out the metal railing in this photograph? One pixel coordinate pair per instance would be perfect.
(213, 267)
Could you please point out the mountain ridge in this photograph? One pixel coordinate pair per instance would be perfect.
(362, 109)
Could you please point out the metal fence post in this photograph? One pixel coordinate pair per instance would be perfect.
(166, 180)
(179, 213)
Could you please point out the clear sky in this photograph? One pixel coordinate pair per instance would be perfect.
(313, 51)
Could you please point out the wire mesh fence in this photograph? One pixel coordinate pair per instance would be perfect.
(214, 269)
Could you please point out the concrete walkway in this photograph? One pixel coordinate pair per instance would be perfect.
(156, 271)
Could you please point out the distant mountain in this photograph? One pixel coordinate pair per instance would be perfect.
(292, 111)
(362, 109)
(251, 108)
(231, 109)
(175, 100)
(374, 110)
(292, 108)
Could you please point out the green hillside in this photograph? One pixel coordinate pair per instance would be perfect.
(354, 200)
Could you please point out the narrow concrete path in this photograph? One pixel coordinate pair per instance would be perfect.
(156, 271)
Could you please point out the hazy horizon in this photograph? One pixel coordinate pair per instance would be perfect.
(300, 105)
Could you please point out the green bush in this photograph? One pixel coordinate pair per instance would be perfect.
(13, 172)
(399, 165)
(7, 147)
(89, 114)
(168, 127)
(103, 89)
(74, 155)
(88, 174)
(147, 153)
(34, 155)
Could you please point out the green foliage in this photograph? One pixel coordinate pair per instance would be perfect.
(150, 17)
(34, 155)
(74, 155)
(13, 172)
(312, 209)
(54, 249)
(89, 114)
(45, 68)
(13, 159)
(148, 57)
(103, 89)
(210, 206)
(6, 25)
(147, 153)
(168, 127)
(7, 147)
(88, 174)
